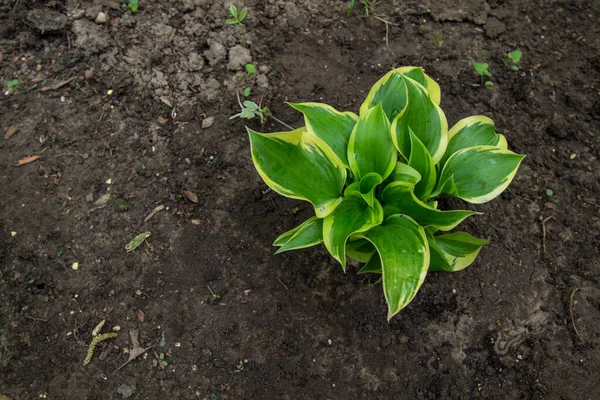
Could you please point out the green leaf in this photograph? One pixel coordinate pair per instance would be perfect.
(481, 69)
(425, 118)
(478, 174)
(242, 15)
(327, 123)
(247, 92)
(421, 161)
(360, 250)
(12, 83)
(353, 215)
(472, 131)
(299, 165)
(365, 187)
(404, 254)
(459, 249)
(250, 67)
(247, 113)
(233, 11)
(370, 148)
(373, 266)
(398, 198)
(309, 233)
(137, 241)
(515, 56)
(251, 105)
(232, 21)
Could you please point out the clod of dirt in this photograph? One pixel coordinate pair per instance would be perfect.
(475, 11)
(47, 20)
(494, 28)
(216, 53)
(208, 122)
(89, 36)
(101, 18)
(238, 57)
(126, 390)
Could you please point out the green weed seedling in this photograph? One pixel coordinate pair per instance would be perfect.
(12, 83)
(237, 18)
(373, 180)
(133, 5)
(252, 110)
(512, 59)
(483, 72)
(367, 5)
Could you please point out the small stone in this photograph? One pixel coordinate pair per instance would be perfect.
(572, 156)
(75, 266)
(89, 74)
(13, 233)
(208, 122)
(116, 328)
(89, 197)
(101, 18)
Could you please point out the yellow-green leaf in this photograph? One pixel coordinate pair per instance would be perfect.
(327, 123)
(425, 118)
(472, 131)
(299, 165)
(478, 174)
(459, 250)
(404, 254)
(399, 198)
(373, 266)
(309, 233)
(421, 160)
(353, 215)
(390, 91)
(370, 148)
(365, 187)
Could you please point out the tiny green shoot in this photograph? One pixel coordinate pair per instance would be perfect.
(513, 58)
(549, 192)
(368, 7)
(247, 92)
(133, 5)
(251, 68)
(237, 18)
(12, 83)
(483, 71)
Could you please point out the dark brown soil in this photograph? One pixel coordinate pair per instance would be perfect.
(232, 320)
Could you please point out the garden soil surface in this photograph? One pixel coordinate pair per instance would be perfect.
(129, 114)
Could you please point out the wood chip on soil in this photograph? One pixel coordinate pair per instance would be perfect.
(27, 160)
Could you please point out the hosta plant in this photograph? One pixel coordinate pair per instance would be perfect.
(373, 180)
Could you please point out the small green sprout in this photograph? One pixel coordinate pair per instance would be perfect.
(12, 83)
(247, 92)
(549, 192)
(133, 5)
(513, 59)
(161, 360)
(368, 7)
(251, 68)
(251, 110)
(482, 71)
(237, 18)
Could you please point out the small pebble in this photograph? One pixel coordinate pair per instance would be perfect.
(101, 18)
(75, 266)
(572, 157)
(208, 122)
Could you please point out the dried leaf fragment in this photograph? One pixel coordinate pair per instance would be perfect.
(137, 241)
(191, 196)
(27, 160)
(10, 132)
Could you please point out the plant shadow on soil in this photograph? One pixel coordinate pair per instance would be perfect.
(233, 320)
